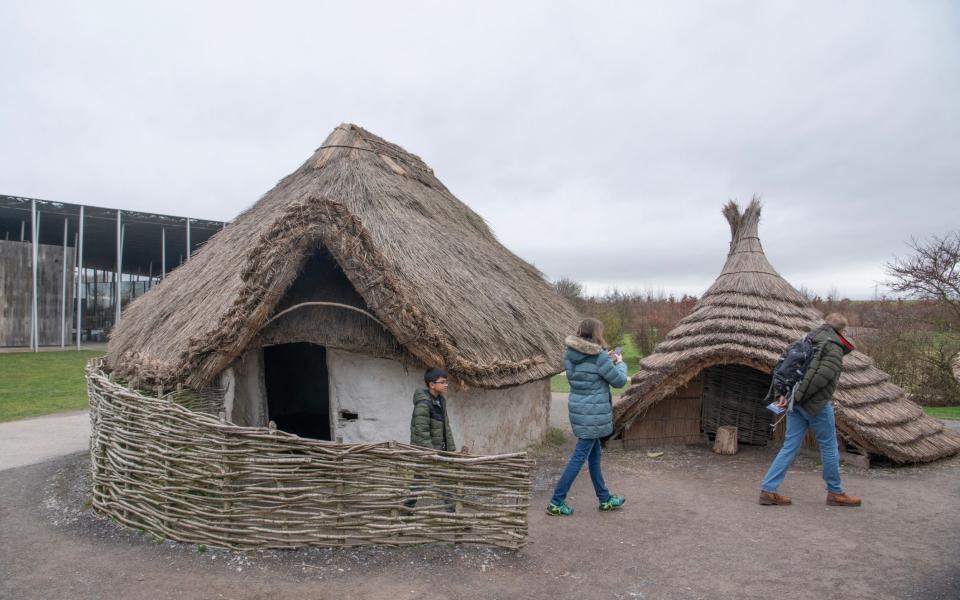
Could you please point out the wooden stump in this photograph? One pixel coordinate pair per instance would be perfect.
(726, 440)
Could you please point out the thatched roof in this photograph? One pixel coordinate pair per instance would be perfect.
(748, 317)
(424, 264)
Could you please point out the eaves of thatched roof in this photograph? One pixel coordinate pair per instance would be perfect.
(749, 316)
(427, 267)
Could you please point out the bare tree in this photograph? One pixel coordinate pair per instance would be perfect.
(569, 289)
(931, 272)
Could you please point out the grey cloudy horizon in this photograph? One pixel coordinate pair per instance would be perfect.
(599, 142)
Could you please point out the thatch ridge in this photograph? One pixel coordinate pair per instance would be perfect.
(748, 317)
(425, 264)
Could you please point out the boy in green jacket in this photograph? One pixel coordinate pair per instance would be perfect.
(430, 425)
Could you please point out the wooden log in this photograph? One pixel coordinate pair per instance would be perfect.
(726, 440)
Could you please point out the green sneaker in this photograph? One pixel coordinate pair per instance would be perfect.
(612, 503)
(559, 510)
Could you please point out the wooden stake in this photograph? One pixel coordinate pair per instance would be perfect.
(726, 441)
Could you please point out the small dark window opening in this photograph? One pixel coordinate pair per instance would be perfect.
(348, 415)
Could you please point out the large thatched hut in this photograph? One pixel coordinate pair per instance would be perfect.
(713, 368)
(318, 308)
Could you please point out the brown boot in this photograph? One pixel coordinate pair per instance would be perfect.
(842, 499)
(770, 498)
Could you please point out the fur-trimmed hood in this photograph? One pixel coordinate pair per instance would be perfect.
(575, 342)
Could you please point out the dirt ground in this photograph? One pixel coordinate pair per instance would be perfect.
(691, 528)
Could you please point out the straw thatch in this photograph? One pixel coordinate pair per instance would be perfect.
(748, 317)
(422, 264)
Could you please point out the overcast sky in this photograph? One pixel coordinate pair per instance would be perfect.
(599, 140)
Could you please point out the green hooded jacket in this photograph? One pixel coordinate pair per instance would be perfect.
(820, 381)
(430, 426)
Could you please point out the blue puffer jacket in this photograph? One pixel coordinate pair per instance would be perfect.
(590, 373)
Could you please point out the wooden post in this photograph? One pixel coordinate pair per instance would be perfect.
(726, 441)
(340, 490)
(394, 513)
(225, 471)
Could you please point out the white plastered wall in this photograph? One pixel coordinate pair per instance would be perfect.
(380, 393)
(245, 401)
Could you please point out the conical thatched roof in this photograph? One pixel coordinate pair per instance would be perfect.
(424, 264)
(748, 317)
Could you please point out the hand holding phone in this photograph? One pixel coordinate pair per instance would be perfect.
(616, 355)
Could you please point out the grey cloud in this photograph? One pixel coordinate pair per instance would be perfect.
(614, 131)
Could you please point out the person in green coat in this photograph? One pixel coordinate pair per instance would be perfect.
(430, 424)
(812, 409)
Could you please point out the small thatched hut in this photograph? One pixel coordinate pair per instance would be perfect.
(319, 306)
(713, 368)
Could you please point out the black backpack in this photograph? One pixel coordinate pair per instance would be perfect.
(793, 364)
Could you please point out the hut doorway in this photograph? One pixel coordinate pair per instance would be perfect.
(733, 395)
(298, 389)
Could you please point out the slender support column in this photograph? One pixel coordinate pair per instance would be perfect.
(63, 291)
(79, 276)
(23, 228)
(188, 239)
(34, 221)
(116, 318)
(163, 253)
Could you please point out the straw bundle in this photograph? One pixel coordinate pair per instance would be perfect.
(748, 317)
(191, 477)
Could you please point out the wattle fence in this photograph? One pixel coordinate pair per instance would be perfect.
(172, 466)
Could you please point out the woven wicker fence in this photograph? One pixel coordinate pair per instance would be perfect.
(189, 476)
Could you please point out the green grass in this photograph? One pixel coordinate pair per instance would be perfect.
(943, 412)
(559, 384)
(41, 383)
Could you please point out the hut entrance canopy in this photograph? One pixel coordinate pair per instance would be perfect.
(738, 329)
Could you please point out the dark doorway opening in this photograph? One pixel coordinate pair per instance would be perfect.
(733, 395)
(298, 390)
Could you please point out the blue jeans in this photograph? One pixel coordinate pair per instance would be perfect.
(586, 451)
(825, 428)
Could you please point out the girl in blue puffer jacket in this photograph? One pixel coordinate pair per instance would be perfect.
(591, 370)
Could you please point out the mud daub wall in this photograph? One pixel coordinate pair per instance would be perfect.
(16, 288)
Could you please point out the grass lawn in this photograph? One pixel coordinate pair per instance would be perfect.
(943, 412)
(558, 383)
(41, 383)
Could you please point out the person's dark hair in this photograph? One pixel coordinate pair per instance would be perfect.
(591, 329)
(433, 374)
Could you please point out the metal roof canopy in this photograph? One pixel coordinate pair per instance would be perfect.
(143, 233)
